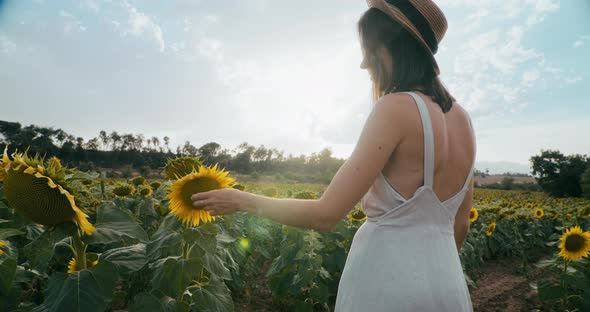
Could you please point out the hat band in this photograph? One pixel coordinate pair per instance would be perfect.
(418, 20)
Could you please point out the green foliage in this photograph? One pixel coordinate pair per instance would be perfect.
(559, 175)
(149, 261)
(305, 195)
(115, 225)
(86, 290)
(585, 183)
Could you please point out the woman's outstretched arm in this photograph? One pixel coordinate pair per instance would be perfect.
(382, 133)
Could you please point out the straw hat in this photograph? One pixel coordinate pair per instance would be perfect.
(422, 18)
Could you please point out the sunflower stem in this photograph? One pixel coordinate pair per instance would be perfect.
(185, 250)
(80, 250)
(190, 249)
(563, 284)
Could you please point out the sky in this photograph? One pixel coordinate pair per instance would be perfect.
(285, 74)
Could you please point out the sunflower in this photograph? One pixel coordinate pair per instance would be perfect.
(2, 245)
(181, 166)
(539, 213)
(574, 244)
(39, 190)
(73, 265)
(146, 191)
(357, 215)
(491, 229)
(473, 214)
(138, 181)
(205, 179)
(123, 190)
(155, 185)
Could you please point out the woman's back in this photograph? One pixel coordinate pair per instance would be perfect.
(404, 258)
(454, 152)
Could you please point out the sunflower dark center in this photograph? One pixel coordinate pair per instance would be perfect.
(32, 197)
(574, 243)
(197, 185)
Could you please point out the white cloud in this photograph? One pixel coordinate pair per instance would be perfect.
(299, 99)
(211, 18)
(141, 24)
(7, 46)
(540, 9)
(582, 41)
(523, 141)
(573, 79)
(490, 54)
(90, 5)
(71, 23)
(529, 77)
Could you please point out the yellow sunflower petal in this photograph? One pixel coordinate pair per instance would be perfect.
(73, 265)
(79, 216)
(2, 245)
(574, 244)
(205, 179)
(39, 198)
(473, 214)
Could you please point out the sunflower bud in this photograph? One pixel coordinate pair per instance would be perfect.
(181, 166)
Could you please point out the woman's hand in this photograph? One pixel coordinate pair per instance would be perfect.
(222, 201)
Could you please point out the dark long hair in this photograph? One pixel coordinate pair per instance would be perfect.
(412, 66)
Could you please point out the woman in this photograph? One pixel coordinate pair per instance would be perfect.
(411, 169)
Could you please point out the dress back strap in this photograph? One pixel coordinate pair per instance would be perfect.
(428, 139)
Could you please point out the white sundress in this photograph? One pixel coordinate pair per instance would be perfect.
(404, 257)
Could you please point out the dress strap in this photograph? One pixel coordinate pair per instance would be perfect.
(428, 139)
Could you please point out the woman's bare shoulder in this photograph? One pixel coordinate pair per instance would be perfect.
(464, 113)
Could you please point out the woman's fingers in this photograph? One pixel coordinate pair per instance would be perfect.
(200, 203)
(202, 195)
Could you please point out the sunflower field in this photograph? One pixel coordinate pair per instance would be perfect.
(73, 241)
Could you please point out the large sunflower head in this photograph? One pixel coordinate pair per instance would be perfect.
(539, 213)
(574, 244)
(205, 179)
(473, 214)
(39, 191)
(73, 265)
(179, 167)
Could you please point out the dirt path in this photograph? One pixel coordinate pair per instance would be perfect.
(500, 287)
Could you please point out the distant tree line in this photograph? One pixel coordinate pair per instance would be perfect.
(120, 150)
(562, 175)
(508, 184)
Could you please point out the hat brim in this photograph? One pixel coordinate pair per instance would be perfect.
(399, 17)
